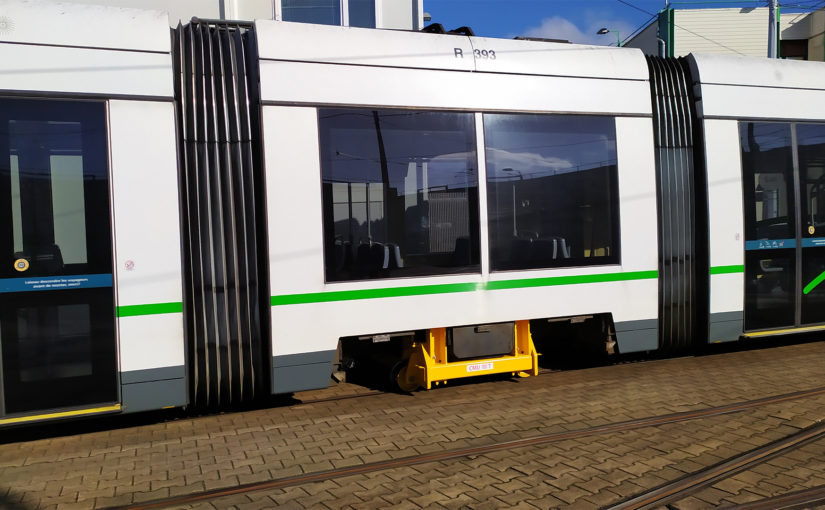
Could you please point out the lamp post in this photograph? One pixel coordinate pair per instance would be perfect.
(604, 31)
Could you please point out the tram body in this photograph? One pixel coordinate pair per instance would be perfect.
(206, 220)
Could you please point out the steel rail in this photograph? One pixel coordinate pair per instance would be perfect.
(694, 482)
(805, 498)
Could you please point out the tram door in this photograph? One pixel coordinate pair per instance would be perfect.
(57, 331)
(784, 199)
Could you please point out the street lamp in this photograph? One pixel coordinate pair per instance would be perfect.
(604, 31)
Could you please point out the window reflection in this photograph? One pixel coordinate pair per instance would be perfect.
(811, 142)
(767, 156)
(811, 147)
(400, 193)
(324, 12)
(58, 180)
(362, 13)
(551, 190)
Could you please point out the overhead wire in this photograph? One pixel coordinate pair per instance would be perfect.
(641, 27)
(625, 2)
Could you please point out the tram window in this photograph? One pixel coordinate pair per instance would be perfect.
(362, 13)
(767, 158)
(68, 205)
(58, 180)
(400, 193)
(551, 190)
(324, 12)
(811, 145)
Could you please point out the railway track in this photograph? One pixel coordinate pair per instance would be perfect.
(687, 485)
(655, 497)
(799, 499)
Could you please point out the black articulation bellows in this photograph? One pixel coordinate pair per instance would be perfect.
(224, 238)
(682, 207)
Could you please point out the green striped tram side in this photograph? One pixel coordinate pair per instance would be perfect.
(350, 295)
(727, 269)
(150, 309)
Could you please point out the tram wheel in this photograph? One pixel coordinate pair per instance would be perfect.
(399, 378)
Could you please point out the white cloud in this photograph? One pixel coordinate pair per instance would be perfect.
(557, 27)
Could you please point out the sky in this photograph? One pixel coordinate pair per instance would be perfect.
(574, 20)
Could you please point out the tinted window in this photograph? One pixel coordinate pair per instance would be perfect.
(400, 193)
(57, 177)
(362, 13)
(324, 12)
(811, 145)
(767, 160)
(551, 190)
(810, 140)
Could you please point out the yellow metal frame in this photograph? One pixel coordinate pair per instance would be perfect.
(428, 363)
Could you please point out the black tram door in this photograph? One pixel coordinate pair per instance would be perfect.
(57, 325)
(784, 200)
(810, 142)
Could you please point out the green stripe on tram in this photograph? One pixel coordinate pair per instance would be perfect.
(420, 290)
(816, 281)
(727, 269)
(150, 309)
(448, 288)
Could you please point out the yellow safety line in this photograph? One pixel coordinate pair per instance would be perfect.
(63, 414)
(783, 331)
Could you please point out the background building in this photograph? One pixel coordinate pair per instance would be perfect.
(391, 14)
(734, 31)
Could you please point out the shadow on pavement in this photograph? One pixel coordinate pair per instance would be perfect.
(7, 504)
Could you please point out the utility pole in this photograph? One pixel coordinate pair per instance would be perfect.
(772, 29)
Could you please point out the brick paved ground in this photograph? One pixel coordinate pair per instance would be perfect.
(136, 464)
(591, 472)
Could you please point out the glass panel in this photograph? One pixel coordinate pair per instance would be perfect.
(324, 12)
(551, 190)
(767, 160)
(58, 350)
(813, 285)
(54, 342)
(58, 181)
(16, 213)
(770, 281)
(400, 193)
(68, 207)
(810, 140)
(362, 13)
(811, 146)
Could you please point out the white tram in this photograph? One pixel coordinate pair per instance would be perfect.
(243, 208)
